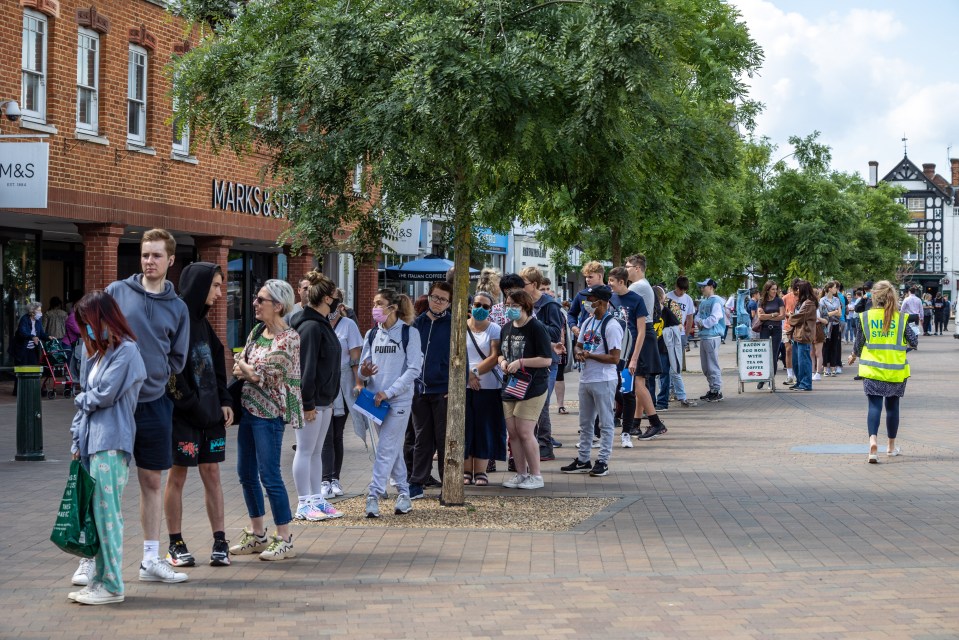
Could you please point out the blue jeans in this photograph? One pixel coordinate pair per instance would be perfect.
(662, 400)
(259, 442)
(802, 365)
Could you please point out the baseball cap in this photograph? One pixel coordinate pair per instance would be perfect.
(600, 291)
(708, 282)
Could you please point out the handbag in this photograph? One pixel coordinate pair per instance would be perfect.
(236, 387)
(495, 371)
(75, 530)
(518, 384)
(757, 324)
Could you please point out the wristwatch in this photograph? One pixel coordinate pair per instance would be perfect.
(475, 372)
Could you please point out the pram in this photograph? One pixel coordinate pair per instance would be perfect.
(56, 359)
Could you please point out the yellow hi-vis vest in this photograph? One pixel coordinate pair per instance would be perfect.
(884, 354)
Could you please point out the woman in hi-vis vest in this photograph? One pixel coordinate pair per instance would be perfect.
(881, 348)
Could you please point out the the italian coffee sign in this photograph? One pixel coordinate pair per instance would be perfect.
(24, 172)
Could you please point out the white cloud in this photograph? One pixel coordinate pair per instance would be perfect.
(860, 75)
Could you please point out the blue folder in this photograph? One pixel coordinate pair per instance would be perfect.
(365, 405)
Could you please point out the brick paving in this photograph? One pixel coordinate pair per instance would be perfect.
(720, 530)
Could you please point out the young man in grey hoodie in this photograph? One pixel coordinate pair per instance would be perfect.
(161, 323)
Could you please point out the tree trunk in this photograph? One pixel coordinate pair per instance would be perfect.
(616, 250)
(453, 495)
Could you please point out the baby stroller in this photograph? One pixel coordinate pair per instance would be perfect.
(56, 358)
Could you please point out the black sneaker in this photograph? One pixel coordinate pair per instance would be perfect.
(706, 397)
(599, 469)
(577, 467)
(636, 431)
(511, 465)
(556, 443)
(715, 396)
(179, 556)
(653, 432)
(220, 557)
(432, 482)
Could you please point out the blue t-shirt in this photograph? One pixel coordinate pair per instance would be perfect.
(628, 307)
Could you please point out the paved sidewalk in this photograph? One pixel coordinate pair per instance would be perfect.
(721, 530)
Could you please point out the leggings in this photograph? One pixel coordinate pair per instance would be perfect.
(308, 460)
(892, 415)
(333, 448)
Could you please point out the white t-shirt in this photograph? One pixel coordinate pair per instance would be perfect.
(483, 339)
(590, 334)
(645, 290)
(350, 338)
(686, 305)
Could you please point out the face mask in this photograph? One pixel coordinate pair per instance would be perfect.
(93, 337)
(333, 317)
(512, 313)
(440, 314)
(380, 315)
(588, 307)
(39, 315)
(480, 314)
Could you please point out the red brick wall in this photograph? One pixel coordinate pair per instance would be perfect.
(96, 183)
(367, 284)
(100, 258)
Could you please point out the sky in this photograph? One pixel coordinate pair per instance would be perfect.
(863, 73)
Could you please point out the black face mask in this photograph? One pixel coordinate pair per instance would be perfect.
(439, 315)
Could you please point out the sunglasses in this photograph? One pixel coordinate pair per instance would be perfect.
(480, 305)
(261, 300)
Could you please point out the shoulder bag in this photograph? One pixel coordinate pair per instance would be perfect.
(236, 387)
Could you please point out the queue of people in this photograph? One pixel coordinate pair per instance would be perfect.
(153, 388)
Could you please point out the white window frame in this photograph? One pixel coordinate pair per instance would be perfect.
(93, 37)
(40, 113)
(135, 53)
(181, 142)
(358, 177)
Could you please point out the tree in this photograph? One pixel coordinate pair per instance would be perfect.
(461, 109)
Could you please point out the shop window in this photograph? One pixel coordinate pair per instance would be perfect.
(88, 81)
(181, 130)
(33, 89)
(137, 96)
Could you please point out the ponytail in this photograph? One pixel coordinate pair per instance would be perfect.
(404, 306)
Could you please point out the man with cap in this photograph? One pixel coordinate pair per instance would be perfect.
(711, 323)
(597, 347)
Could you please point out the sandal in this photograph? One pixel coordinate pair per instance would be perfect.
(480, 480)
(467, 478)
(563, 411)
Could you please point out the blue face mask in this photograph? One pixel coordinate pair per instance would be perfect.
(480, 314)
(512, 313)
(93, 337)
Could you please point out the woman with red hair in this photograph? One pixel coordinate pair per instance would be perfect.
(111, 374)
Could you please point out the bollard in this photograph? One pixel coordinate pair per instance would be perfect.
(29, 414)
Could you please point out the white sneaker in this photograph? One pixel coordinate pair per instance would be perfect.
(626, 440)
(309, 513)
(532, 482)
(73, 595)
(84, 573)
(515, 481)
(790, 380)
(279, 549)
(838, 371)
(250, 543)
(336, 488)
(816, 376)
(595, 444)
(99, 594)
(157, 570)
(326, 490)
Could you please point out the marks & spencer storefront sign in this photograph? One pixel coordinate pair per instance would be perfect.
(250, 199)
(24, 171)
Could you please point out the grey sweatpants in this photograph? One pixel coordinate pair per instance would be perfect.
(389, 460)
(596, 400)
(709, 358)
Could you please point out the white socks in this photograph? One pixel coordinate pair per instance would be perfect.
(151, 551)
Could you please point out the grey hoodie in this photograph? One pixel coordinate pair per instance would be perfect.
(397, 369)
(161, 323)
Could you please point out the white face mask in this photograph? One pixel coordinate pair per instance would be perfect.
(588, 307)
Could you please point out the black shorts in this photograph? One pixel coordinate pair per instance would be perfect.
(649, 363)
(560, 372)
(193, 446)
(151, 446)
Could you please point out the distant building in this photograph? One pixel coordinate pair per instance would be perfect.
(933, 206)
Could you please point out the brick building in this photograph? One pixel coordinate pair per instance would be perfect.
(91, 77)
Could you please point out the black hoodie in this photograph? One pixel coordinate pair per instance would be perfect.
(199, 391)
(319, 359)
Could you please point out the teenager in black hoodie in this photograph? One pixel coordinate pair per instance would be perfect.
(201, 413)
(319, 385)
